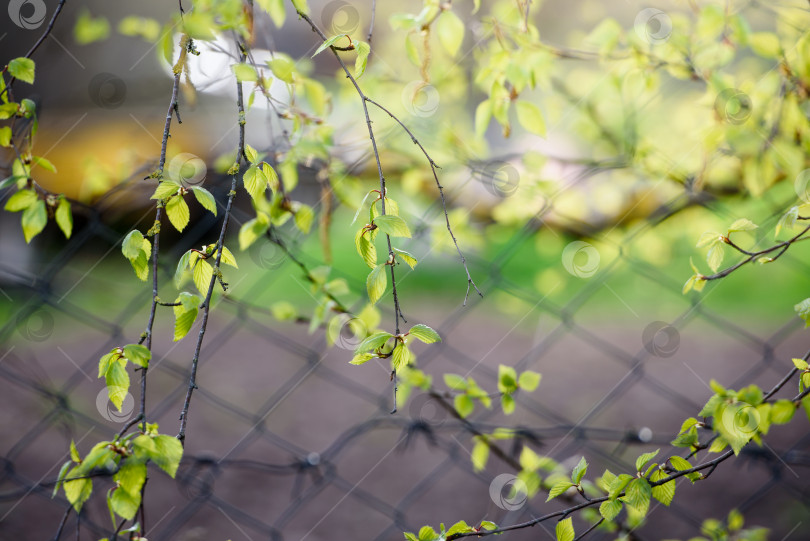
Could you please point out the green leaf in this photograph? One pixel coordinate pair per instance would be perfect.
(5, 137)
(124, 504)
(252, 230)
(184, 318)
(360, 63)
(618, 484)
(508, 404)
(765, 44)
(138, 354)
(376, 283)
(34, 219)
(182, 267)
(165, 189)
(21, 200)
(255, 182)
(282, 68)
(228, 258)
(646, 457)
(78, 491)
(89, 29)
(530, 117)
(401, 356)
(464, 405)
(132, 246)
(304, 216)
(801, 364)
(104, 364)
(64, 217)
(782, 412)
(743, 224)
(362, 358)
(329, 42)
(117, 380)
(202, 274)
(205, 199)
(637, 495)
(455, 382)
(392, 225)
(424, 333)
(45, 164)
(714, 257)
(579, 471)
(451, 31)
(167, 454)
(275, 8)
(558, 488)
(131, 476)
(244, 73)
(365, 247)
(409, 259)
(803, 311)
(483, 115)
(610, 509)
(565, 530)
(374, 342)
(663, 493)
(61, 477)
(23, 69)
(479, 455)
(529, 381)
(177, 211)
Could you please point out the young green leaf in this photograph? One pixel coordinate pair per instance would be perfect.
(117, 380)
(34, 219)
(64, 217)
(455, 382)
(185, 314)
(401, 356)
(21, 200)
(361, 358)
(202, 274)
(464, 405)
(365, 247)
(255, 182)
(376, 283)
(424, 333)
(329, 42)
(451, 31)
(663, 493)
(409, 259)
(479, 455)
(137, 354)
(167, 454)
(637, 495)
(646, 457)
(579, 471)
(360, 63)
(558, 488)
(304, 216)
(374, 342)
(743, 224)
(205, 199)
(610, 509)
(252, 230)
(530, 117)
(565, 530)
(165, 189)
(392, 225)
(23, 69)
(529, 381)
(178, 213)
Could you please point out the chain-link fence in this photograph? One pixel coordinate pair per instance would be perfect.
(287, 441)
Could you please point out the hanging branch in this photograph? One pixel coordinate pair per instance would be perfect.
(206, 305)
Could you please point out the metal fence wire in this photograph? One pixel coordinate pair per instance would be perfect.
(287, 441)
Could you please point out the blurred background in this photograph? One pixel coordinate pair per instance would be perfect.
(581, 254)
